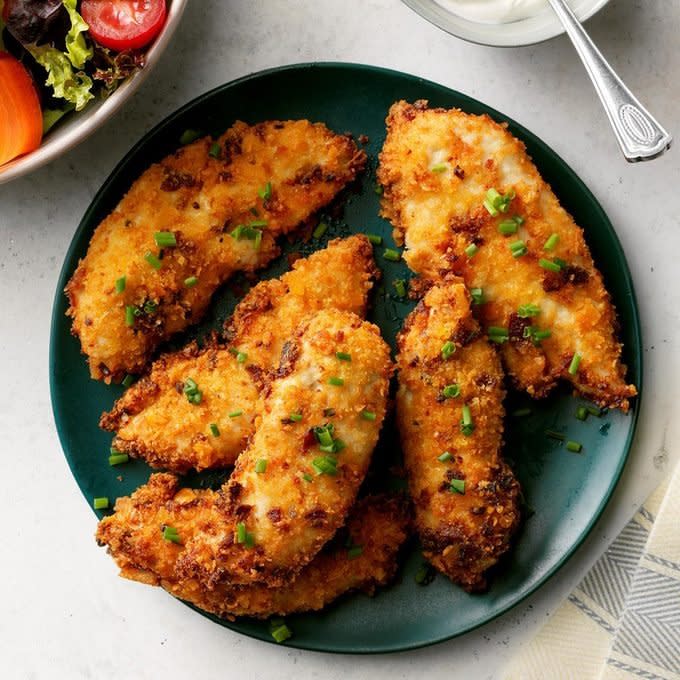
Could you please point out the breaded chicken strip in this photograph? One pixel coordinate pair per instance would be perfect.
(155, 420)
(450, 416)
(362, 556)
(292, 487)
(465, 198)
(191, 221)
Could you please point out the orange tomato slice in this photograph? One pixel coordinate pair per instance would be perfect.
(20, 113)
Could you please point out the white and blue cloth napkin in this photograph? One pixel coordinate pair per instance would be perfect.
(622, 622)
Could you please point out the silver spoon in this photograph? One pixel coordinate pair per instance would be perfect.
(640, 136)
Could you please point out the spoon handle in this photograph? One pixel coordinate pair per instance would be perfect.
(640, 136)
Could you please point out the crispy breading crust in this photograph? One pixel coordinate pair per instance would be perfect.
(463, 534)
(201, 200)
(133, 534)
(438, 214)
(289, 516)
(155, 421)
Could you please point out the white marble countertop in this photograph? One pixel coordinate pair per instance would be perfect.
(65, 613)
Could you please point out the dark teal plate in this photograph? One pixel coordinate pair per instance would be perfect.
(567, 492)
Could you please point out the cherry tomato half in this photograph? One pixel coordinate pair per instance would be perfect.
(124, 24)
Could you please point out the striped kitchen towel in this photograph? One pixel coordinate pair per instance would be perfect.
(622, 622)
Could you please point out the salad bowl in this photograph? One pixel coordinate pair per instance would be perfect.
(78, 125)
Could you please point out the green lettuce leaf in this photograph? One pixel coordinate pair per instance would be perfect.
(52, 116)
(72, 86)
(76, 47)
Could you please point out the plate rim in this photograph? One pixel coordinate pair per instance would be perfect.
(169, 120)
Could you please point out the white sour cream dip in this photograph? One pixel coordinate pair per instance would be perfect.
(494, 11)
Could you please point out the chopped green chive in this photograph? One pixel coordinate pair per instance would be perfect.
(343, 356)
(328, 443)
(451, 391)
(594, 411)
(471, 250)
(100, 503)
(170, 534)
(241, 357)
(529, 310)
(536, 334)
(191, 281)
(555, 435)
(521, 412)
(261, 466)
(325, 465)
(448, 348)
(244, 536)
(507, 227)
(265, 193)
(492, 198)
(581, 413)
(249, 232)
(400, 288)
(334, 380)
(129, 315)
(307, 477)
(425, 575)
(355, 551)
(214, 430)
(575, 363)
(574, 447)
(477, 295)
(257, 224)
(552, 241)
(215, 150)
(120, 284)
(392, 255)
(193, 394)
(466, 425)
(368, 415)
(189, 136)
(324, 435)
(518, 248)
(153, 260)
(374, 239)
(457, 486)
(549, 265)
(150, 307)
(498, 334)
(236, 414)
(128, 380)
(446, 456)
(295, 417)
(165, 239)
(320, 230)
(378, 190)
(118, 459)
(282, 633)
(439, 167)
(496, 203)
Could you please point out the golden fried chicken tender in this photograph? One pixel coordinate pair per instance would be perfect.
(218, 207)
(362, 556)
(437, 167)
(292, 487)
(450, 417)
(155, 420)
